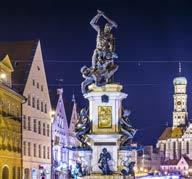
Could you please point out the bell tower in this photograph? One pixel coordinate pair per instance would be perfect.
(180, 100)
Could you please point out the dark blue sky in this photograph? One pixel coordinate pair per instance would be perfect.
(148, 31)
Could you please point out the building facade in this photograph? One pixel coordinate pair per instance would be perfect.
(60, 140)
(29, 79)
(10, 124)
(176, 141)
(148, 160)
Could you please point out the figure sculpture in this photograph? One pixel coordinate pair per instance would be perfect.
(103, 66)
(126, 129)
(104, 159)
(129, 169)
(105, 45)
(83, 127)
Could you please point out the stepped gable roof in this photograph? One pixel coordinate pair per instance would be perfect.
(21, 54)
(170, 132)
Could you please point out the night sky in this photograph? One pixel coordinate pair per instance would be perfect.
(151, 37)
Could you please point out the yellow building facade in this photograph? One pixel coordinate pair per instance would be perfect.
(10, 124)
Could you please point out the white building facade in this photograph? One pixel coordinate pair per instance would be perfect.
(60, 138)
(30, 80)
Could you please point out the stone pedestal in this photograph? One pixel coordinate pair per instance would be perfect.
(108, 141)
(105, 107)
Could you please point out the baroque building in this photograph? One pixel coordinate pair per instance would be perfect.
(60, 139)
(10, 124)
(175, 143)
(29, 79)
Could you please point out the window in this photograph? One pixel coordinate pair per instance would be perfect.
(14, 172)
(45, 108)
(39, 127)
(37, 85)
(33, 82)
(35, 125)
(29, 123)
(44, 153)
(39, 151)
(35, 150)
(18, 173)
(41, 106)
(43, 128)
(187, 147)
(13, 109)
(8, 108)
(48, 129)
(33, 102)
(17, 111)
(48, 155)
(29, 100)
(41, 87)
(29, 149)
(24, 148)
(38, 104)
(24, 122)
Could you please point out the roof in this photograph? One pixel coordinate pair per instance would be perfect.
(180, 81)
(21, 54)
(188, 160)
(68, 104)
(170, 162)
(170, 132)
(175, 162)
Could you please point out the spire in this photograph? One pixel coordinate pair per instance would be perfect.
(60, 92)
(180, 68)
(73, 98)
(74, 115)
(74, 118)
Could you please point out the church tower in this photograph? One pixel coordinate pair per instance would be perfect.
(180, 101)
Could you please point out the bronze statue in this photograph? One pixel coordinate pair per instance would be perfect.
(126, 129)
(89, 76)
(105, 45)
(83, 127)
(103, 66)
(128, 169)
(105, 156)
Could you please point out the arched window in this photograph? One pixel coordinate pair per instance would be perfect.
(33, 102)
(14, 172)
(187, 147)
(180, 148)
(41, 106)
(174, 150)
(5, 173)
(29, 99)
(26, 173)
(38, 104)
(18, 173)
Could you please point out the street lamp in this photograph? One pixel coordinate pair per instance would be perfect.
(3, 75)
